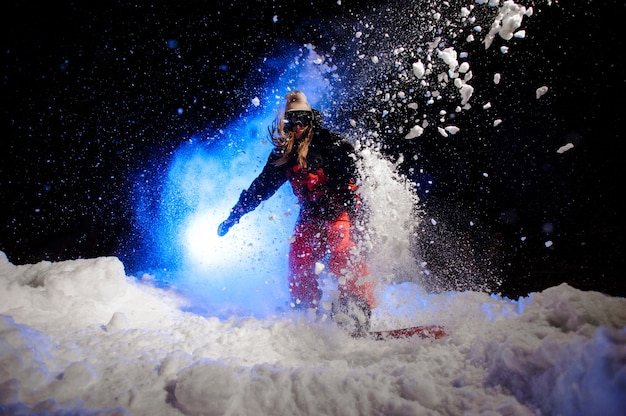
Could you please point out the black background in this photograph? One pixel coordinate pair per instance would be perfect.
(90, 100)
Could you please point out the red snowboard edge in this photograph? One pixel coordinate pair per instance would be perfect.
(423, 331)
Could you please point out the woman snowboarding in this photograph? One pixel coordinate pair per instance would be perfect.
(320, 166)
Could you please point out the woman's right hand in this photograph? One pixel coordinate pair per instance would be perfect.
(223, 228)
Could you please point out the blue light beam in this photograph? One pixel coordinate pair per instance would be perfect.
(244, 272)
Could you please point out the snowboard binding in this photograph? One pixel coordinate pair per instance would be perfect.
(353, 315)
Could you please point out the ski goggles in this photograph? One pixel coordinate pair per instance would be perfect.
(298, 117)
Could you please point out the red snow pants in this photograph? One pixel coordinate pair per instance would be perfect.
(313, 239)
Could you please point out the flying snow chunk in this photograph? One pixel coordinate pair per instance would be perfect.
(398, 51)
(452, 129)
(541, 91)
(418, 69)
(497, 122)
(565, 148)
(511, 21)
(496, 78)
(415, 131)
(375, 59)
(256, 102)
(508, 20)
(442, 132)
(466, 92)
(449, 56)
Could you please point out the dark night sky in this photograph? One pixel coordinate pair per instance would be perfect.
(90, 98)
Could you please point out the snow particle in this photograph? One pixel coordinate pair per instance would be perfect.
(541, 91)
(415, 131)
(452, 129)
(418, 69)
(565, 148)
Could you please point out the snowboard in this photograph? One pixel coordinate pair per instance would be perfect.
(422, 331)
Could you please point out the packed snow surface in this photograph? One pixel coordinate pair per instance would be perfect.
(82, 335)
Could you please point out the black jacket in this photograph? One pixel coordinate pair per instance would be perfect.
(326, 188)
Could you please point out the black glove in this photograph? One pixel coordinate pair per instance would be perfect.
(223, 228)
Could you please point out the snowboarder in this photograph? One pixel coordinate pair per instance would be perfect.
(321, 168)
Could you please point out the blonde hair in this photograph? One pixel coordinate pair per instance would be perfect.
(285, 140)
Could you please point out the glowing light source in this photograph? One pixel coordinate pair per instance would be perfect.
(203, 247)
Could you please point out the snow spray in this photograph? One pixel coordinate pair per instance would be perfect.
(392, 80)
